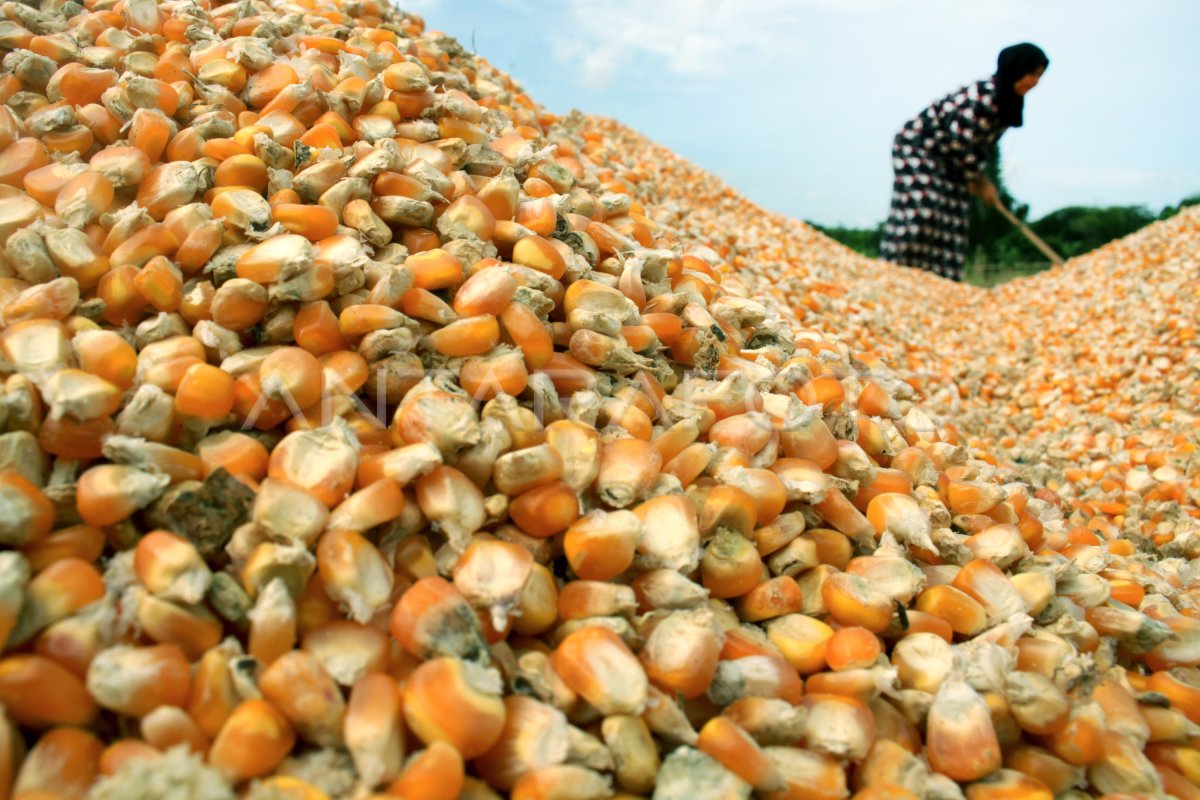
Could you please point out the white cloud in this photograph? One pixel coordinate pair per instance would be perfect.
(687, 37)
(715, 38)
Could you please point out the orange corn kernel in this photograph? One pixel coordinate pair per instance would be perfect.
(423, 304)
(538, 216)
(545, 510)
(205, 392)
(265, 85)
(469, 213)
(852, 648)
(488, 291)
(353, 570)
(538, 253)
(38, 692)
(426, 608)
(528, 333)
(61, 589)
(1081, 740)
(841, 515)
(964, 615)
(730, 566)
(239, 304)
(293, 375)
(971, 497)
(242, 170)
(30, 514)
(316, 329)
(312, 222)
(253, 741)
(221, 149)
(501, 372)
(960, 740)
(435, 773)
(628, 471)
(373, 728)
(600, 547)
(169, 565)
(990, 587)
(84, 197)
(199, 246)
(769, 599)
(123, 303)
(299, 687)
(103, 124)
(81, 542)
(213, 696)
(193, 628)
(722, 739)
(20, 158)
(1056, 774)
(160, 284)
(123, 751)
(63, 763)
(345, 371)
(149, 132)
(434, 269)
(454, 701)
(823, 390)
(681, 655)
(596, 664)
(803, 641)
(851, 600)
(1180, 689)
(471, 336)
(44, 183)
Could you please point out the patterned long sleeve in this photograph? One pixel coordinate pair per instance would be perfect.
(969, 126)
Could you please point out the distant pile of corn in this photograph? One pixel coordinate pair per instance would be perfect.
(1087, 378)
(369, 431)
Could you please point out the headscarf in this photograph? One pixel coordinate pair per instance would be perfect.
(1015, 62)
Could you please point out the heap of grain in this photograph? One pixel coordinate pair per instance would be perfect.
(365, 436)
(1085, 378)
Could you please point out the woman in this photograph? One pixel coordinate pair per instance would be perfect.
(940, 156)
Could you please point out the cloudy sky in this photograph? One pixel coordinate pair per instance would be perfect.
(795, 102)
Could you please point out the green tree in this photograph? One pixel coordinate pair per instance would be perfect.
(1076, 230)
(861, 240)
(1170, 211)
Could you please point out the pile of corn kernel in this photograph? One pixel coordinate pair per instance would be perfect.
(369, 431)
(1083, 379)
(1086, 378)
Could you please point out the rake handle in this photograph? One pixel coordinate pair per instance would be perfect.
(1028, 233)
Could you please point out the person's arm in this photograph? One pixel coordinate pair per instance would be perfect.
(970, 118)
(981, 186)
(985, 190)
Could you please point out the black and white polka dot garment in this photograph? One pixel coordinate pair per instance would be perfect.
(934, 156)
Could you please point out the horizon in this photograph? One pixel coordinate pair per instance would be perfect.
(1101, 129)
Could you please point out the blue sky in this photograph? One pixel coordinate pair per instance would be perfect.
(795, 103)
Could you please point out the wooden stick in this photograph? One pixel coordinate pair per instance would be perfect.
(1036, 240)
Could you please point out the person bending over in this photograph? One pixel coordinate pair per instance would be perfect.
(939, 157)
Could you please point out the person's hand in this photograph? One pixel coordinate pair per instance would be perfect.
(986, 191)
